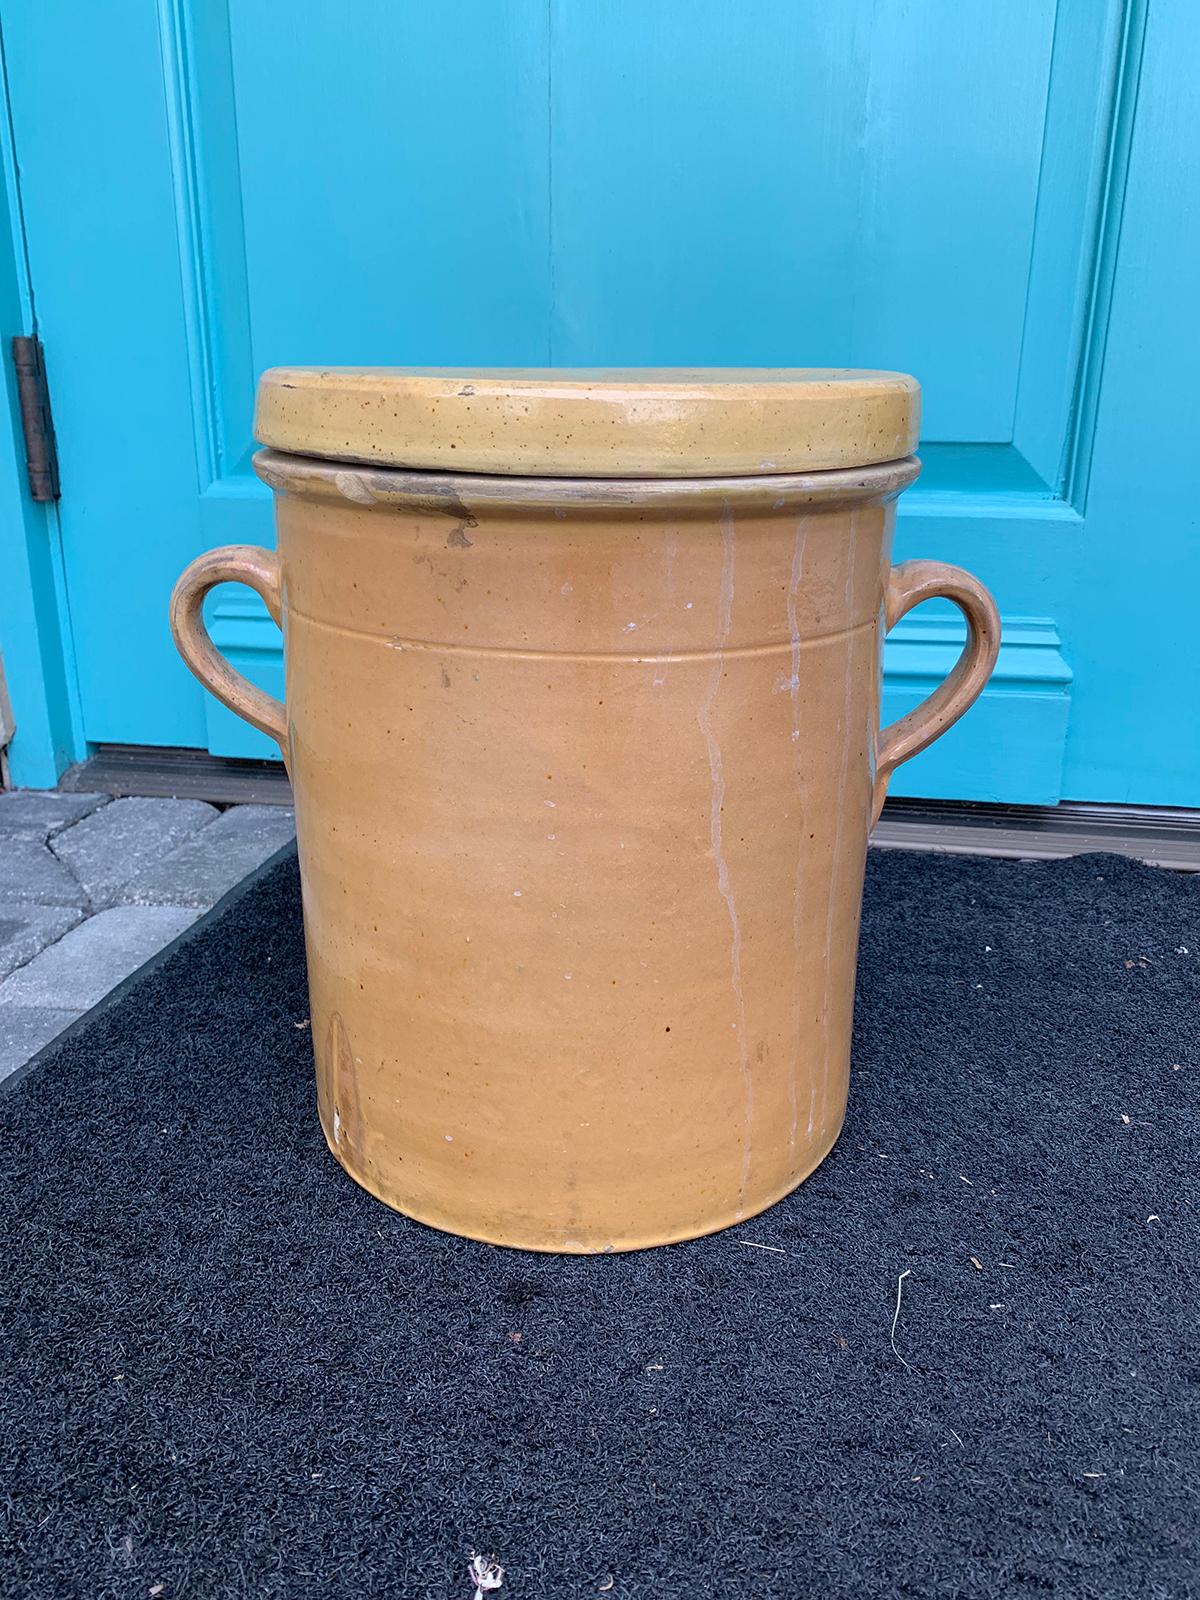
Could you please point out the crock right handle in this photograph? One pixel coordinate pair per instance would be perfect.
(908, 585)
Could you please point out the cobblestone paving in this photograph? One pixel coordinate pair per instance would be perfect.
(91, 888)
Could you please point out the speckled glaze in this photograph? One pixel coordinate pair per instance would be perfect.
(582, 423)
(584, 773)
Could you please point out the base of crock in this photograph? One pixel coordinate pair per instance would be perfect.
(617, 1246)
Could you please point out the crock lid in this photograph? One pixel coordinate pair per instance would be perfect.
(634, 422)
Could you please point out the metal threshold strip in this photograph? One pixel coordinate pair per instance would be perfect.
(1161, 836)
(162, 773)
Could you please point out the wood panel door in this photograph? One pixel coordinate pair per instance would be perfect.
(210, 187)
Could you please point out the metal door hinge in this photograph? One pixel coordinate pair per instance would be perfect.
(41, 452)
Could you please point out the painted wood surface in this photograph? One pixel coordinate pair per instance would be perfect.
(36, 650)
(988, 195)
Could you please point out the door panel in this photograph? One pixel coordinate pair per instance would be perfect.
(935, 187)
(394, 166)
(86, 88)
(794, 211)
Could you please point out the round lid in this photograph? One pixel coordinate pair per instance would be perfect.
(634, 422)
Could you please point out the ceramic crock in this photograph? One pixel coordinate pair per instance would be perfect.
(582, 719)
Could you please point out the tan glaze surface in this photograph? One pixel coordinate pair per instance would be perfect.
(671, 422)
(584, 775)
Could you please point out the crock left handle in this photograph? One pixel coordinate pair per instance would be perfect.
(233, 563)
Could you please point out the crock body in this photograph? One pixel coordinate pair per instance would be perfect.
(583, 783)
(582, 719)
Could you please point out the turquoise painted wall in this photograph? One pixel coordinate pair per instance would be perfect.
(989, 194)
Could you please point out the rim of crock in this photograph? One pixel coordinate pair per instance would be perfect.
(394, 488)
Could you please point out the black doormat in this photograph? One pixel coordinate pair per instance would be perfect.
(229, 1372)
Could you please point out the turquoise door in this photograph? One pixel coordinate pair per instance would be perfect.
(987, 194)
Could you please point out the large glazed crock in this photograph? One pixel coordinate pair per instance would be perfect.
(584, 738)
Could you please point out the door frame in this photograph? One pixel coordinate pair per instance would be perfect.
(35, 626)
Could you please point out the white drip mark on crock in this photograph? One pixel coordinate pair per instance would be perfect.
(715, 828)
(354, 486)
(875, 702)
(843, 732)
(794, 582)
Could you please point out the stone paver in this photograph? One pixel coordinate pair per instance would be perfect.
(124, 839)
(30, 871)
(25, 1029)
(214, 860)
(94, 957)
(41, 813)
(26, 929)
(92, 888)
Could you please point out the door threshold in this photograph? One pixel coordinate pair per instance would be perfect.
(156, 772)
(1159, 835)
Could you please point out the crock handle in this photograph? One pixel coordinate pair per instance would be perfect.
(233, 563)
(908, 585)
